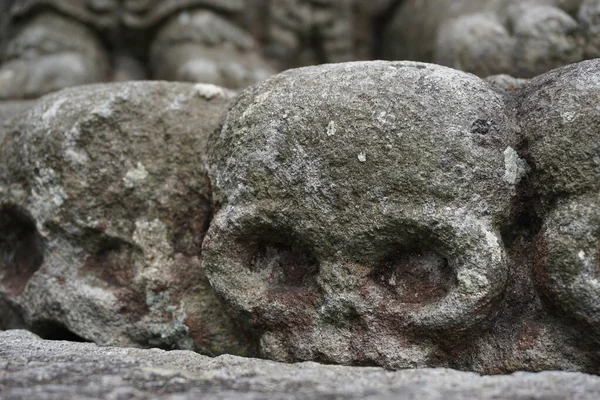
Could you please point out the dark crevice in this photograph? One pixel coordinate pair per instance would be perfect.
(21, 248)
(380, 23)
(525, 221)
(51, 330)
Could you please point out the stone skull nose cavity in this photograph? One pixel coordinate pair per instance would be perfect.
(21, 248)
(112, 261)
(282, 262)
(415, 275)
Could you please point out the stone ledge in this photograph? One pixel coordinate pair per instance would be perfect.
(39, 369)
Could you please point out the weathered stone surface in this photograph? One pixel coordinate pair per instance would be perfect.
(54, 44)
(486, 37)
(104, 203)
(589, 15)
(560, 118)
(35, 369)
(402, 215)
(383, 219)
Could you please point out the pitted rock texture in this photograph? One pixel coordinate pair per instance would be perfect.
(523, 38)
(104, 203)
(389, 217)
(402, 215)
(35, 369)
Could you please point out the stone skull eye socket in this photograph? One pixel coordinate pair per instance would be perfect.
(283, 262)
(21, 248)
(273, 274)
(415, 275)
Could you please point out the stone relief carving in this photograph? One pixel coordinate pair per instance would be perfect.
(53, 44)
(562, 132)
(519, 38)
(403, 215)
(306, 32)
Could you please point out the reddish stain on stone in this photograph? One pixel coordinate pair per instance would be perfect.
(529, 335)
(114, 263)
(414, 276)
(199, 331)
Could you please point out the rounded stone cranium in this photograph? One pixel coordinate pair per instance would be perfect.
(358, 209)
(564, 148)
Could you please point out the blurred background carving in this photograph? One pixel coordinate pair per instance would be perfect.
(51, 44)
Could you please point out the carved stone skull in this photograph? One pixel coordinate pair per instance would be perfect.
(358, 209)
(104, 202)
(564, 136)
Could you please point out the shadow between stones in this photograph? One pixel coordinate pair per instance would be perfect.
(51, 330)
